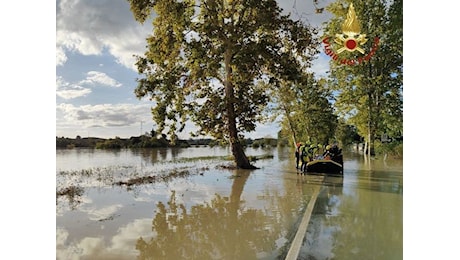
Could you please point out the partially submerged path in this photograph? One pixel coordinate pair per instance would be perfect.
(296, 244)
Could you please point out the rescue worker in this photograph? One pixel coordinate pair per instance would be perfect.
(327, 155)
(297, 155)
(304, 156)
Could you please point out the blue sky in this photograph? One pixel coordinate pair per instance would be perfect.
(96, 76)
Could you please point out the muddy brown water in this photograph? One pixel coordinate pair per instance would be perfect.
(186, 204)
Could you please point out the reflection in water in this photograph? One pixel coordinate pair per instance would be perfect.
(163, 153)
(221, 229)
(220, 214)
(361, 219)
(175, 153)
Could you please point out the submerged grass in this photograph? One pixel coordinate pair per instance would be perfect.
(154, 178)
(203, 158)
(130, 175)
(73, 195)
(70, 191)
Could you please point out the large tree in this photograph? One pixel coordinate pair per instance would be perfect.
(206, 59)
(369, 93)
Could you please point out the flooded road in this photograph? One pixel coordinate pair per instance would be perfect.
(359, 216)
(186, 204)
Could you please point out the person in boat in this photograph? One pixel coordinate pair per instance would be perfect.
(332, 152)
(312, 151)
(297, 154)
(327, 155)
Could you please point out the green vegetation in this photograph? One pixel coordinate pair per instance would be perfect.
(154, 178)
(356, 103)
(369, 95)
(393, 149)
(307, 112)
(147, 141)
(226, 65)
(215, 62)
(117, 142)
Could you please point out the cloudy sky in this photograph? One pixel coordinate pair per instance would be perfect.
(95, 72)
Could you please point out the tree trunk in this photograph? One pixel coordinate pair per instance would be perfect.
(371, 113)
(240, 157)
(369, 147)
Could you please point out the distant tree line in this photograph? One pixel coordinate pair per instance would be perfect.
(146, 141)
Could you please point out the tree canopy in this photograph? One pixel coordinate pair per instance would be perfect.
(308, 114)
(213, 62)
(369, 94)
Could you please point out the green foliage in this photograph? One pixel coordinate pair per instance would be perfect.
(307, 112)
(143, 141)
(264, 142)
(148, 142)
(394, 149)
(214, 63)
(370, 94)
(65, 142)
(347, 134)
(110, 144)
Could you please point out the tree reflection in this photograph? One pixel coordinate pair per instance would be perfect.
(366, 224)
(222, 229)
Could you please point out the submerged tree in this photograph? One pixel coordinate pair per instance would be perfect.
(206, 61)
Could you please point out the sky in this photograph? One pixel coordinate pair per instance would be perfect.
(96, 73)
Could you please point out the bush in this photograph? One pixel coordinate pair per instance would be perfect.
(109, 144)
(394, 149)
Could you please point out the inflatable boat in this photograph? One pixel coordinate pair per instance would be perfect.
(327, 166)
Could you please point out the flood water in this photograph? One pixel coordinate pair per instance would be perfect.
(186, 204)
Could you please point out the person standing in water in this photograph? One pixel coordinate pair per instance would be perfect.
(297, 155)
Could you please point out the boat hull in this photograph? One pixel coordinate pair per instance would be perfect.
(324, 166)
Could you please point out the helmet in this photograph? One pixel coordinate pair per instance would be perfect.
(328, 147)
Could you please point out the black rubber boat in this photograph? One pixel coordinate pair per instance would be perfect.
(332, 164)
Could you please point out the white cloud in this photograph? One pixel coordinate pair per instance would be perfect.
(95, 78)
(102, 213)
(77, 91)
(101, 115)
(61, 236)
(61, 58)
(120, 246)
(89, 27)
(66, 90)
(128, 235)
